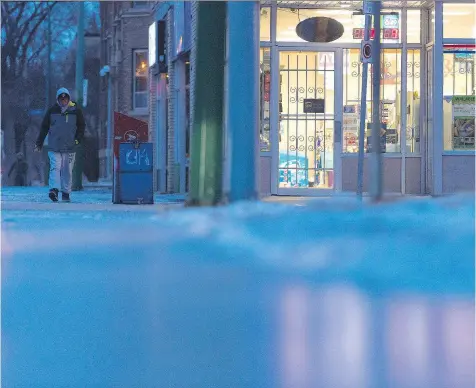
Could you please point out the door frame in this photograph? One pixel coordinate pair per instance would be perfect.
(338, 117)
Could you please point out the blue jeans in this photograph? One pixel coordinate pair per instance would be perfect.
(61, 170)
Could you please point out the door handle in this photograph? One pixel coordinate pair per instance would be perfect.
(337, 132)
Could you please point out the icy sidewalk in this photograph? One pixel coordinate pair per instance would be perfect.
(332, 294)
(89, 199)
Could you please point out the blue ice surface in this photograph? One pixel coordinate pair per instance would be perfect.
(331, 294)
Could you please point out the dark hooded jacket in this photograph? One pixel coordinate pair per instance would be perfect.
(64, 127)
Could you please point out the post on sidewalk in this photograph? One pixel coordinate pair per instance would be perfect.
(206, 158)
(46, 170)
(242, 99)
(78, 164)
(376, 185)
(363, 102)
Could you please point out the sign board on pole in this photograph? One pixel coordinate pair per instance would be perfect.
(85, 92)
(368, 7)
(366, 51)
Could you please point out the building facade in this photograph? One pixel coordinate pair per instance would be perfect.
(427, 97)
(124, 48)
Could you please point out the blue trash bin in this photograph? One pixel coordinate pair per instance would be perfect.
(134, 174)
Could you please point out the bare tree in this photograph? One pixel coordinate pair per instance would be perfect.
(24, 56)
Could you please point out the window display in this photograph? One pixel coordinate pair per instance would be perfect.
(390, 94)
(458, 100)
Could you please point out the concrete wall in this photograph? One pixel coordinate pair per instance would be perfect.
(458, 173)
(413, 175)
(391, 173)
(264, 171)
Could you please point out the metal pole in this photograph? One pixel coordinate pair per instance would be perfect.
(243, 98)
(80, 55)
(376, 154)
(78, 163)
(48, 76)
(109, 127)
(206, 165)
(48, 95)
(363, 111)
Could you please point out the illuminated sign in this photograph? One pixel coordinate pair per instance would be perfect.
(390, 27)
(152, 44)
(459, 48)
(387, 33)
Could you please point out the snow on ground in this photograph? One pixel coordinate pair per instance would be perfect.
(261, 294)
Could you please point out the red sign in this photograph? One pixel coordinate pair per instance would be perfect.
(387, 33)
(267, 85)
(128, 129)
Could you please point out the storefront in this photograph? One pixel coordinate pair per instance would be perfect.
(428, 111)
(427, 98)
(169, 93)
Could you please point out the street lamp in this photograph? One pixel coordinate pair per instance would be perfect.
(106, 70)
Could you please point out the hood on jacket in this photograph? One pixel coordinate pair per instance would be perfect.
(61, 91)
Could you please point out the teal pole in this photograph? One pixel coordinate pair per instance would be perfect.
(243, 102)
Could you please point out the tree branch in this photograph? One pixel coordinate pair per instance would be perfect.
(26, 44)
(36, 54)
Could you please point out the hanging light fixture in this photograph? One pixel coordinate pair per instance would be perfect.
(320, 29)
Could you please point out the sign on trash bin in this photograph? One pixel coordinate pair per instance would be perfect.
(135, 174)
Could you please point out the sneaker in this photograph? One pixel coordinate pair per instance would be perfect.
(53, 194)
(65, 197)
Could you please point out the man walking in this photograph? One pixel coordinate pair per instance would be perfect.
(64, 123)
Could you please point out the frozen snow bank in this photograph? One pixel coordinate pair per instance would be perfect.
(420, 244)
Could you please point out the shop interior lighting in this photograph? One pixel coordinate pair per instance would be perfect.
(360, 13)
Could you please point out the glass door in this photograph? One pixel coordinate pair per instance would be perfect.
(309, 115)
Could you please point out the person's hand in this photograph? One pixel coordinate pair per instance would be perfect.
(76, 142)
(38, 148)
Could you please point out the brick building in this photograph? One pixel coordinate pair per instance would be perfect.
(313, 153)
(124, 48)
(171, 87)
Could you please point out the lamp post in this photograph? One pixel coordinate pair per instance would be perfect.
(78, 163)
(106, 70)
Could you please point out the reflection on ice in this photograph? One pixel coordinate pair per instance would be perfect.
(339, 337)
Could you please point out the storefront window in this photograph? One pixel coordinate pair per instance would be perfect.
(390, 97)
(431, 26)
(265, 24)
(459, 21)
(413, 101)
(265, 94)
(458, 100)
(140, 91)
(289, 18)
(413, 26)
(352, 97)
